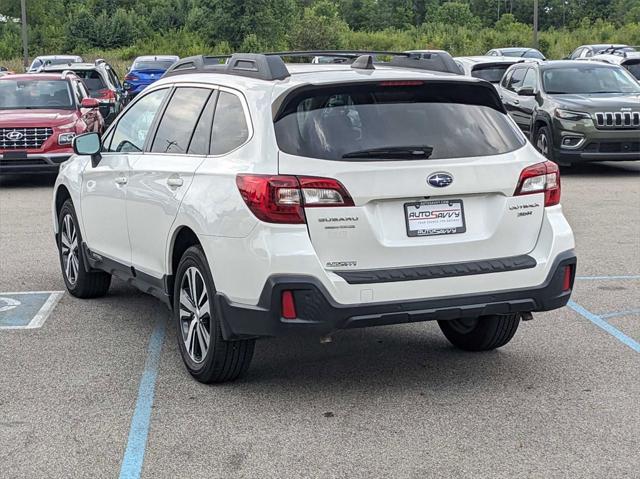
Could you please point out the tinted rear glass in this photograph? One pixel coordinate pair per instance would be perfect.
(449, 120)
(153, 65)
(634, 68)
(492, 73)
(35, 94)
(92, 80)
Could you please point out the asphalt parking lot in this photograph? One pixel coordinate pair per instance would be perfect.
(561, 400)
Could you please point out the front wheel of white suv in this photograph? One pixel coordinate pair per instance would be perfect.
(207, 356)
(481, 334)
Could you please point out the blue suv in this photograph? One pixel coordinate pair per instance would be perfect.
(146, 70)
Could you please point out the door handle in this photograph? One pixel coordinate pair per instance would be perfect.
(516, 102)
(121, 180)
(175, 182)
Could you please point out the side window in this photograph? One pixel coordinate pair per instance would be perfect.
(230, 128)
(576, 53)
(506, 78)
(132, 128)
(113, 77)
(530, 80)
(83, 91)
(201, 138)
(587, 52)
(179, 120)
(515, 82)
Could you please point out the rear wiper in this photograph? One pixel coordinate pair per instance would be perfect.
(394, 152)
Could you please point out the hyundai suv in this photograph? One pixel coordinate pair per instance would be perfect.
(260, 199)
(102, 82)
(575, 111)
(39, 116)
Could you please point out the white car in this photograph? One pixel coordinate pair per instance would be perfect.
(260, 199)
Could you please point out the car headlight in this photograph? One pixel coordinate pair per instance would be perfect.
(65, 138)
(571, 115)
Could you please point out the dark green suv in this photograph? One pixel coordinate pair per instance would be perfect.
(575, 111)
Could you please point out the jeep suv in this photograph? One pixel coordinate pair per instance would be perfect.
(259, 199)
(102, 82)
(575, 111)
(39, 116)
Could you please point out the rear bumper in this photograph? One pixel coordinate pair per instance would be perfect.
(32, 162)
(319, 313)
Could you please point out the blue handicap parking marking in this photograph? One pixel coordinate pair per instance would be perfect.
(26, 310)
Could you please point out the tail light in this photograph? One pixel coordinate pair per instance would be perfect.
(282, 199)
(539, 178)
(106, 95)
(130, 77)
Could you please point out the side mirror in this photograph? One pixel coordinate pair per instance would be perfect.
(89, 103)
(526, 91)
(88, 144)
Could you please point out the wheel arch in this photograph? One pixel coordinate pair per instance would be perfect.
(61, 196)
(539, 122)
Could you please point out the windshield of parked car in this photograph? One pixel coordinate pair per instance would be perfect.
(385, 121)
(35, 94)
(152, 65)
(581, 80)
(491, 73)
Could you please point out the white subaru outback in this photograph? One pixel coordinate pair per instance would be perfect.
(258, 198)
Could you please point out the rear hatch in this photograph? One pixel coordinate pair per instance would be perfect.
(148, 76)
(431, 168)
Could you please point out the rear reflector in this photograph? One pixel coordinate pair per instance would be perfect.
(539, 178)
(288, 305)
(282, 199)
(566, 279)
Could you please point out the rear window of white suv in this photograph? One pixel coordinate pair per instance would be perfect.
(394, 121)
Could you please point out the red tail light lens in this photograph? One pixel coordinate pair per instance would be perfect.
(130, 77)
(282, 199)
(538, 178)
(105, 94)
(288, 305)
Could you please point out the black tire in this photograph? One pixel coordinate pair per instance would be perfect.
(222, 360)
(543, 142)
(481, 334)
(81, 284)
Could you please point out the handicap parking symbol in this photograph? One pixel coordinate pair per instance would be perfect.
(27, 310)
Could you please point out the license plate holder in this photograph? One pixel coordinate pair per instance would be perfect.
(434, 218)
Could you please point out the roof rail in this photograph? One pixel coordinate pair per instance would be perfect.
(270, 66)
(253, 65)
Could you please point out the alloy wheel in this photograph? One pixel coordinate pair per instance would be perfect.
(69, 249)
(542, 144)
(195, 314)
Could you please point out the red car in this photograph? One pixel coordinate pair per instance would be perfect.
(40, 114)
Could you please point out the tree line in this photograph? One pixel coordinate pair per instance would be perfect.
(125, 28)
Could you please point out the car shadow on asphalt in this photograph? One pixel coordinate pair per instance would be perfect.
(41, 180)
(603, 169)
